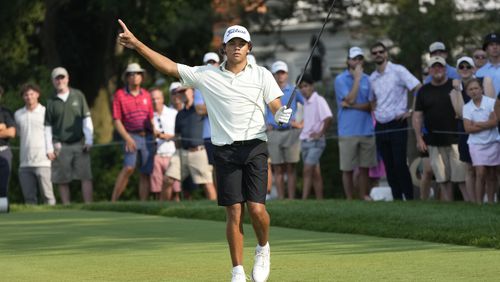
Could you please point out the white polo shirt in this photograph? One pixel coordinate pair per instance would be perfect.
(390, 89)
(30, 128)
(481, 113)
(165, 123)
(236, 103)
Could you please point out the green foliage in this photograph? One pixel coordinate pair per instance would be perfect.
(16, 40)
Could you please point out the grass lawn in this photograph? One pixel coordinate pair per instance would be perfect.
(41, 244)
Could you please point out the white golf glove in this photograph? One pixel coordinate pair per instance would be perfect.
(283, 115)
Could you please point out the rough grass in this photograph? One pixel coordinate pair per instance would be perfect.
(454, 223)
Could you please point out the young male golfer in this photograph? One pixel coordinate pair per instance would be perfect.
(236, 94)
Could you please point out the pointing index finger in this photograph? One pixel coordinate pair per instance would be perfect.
(125, 29)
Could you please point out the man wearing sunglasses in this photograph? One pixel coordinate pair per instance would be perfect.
(389, 96)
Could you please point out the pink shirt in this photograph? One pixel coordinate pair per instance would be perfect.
(316, 110)
(135, 112)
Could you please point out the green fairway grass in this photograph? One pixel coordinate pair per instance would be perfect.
(75, 245)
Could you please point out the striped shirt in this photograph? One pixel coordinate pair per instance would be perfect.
(135, 112)
(390, 89)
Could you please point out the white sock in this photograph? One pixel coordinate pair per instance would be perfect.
(4, 204)
(239, 268)
(265, 247)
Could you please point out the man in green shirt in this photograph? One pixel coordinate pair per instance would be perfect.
(68, 137)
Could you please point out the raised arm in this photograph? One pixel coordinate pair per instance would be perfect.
(160, 62)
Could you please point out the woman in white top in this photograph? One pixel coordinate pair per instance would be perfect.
(480, 121)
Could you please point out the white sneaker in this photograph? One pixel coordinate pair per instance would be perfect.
(262, 264)
(238, 274)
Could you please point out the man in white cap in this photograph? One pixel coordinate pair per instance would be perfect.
(133, 118)
(236, 94)
(355, 124)
(284, 142)
(439, 49)
(69, 137)
(433, 107)
(210, 58)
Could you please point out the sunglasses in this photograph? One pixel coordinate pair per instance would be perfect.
(133, 73)
(378, 52)
(59, 77)
(465, 67)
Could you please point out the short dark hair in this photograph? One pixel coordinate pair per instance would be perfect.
(30, 86)
(472, 80)
(378, 44)
(307, 78)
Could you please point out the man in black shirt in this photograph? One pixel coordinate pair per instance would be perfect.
(434, 107)
(7, 131)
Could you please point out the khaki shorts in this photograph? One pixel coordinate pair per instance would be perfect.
(184, 163)
(284, 146)
(357, 151)
(446, 164)
(70, 164)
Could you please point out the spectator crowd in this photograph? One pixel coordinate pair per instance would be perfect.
(454, 114)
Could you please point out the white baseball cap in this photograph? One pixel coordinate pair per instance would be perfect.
(354, 52)
(236, 31)
(436, 60)
(59, 71)
(279, 66)
(211, 56)
(174, 86)
(437, 46)
(467, 60)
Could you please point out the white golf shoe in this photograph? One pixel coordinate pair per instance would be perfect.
(238, 274)
(262, 263)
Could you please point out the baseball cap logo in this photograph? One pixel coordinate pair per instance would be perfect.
(231, 31)
(236, 31)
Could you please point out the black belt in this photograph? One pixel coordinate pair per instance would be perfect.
(71, 142)
(246, 142)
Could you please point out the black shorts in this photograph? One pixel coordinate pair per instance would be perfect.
(209, 147)
(241, 172)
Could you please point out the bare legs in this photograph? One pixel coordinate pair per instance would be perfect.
(87, 191)
(234, 228)
(312, 177)
(279, 177)
(122, 181)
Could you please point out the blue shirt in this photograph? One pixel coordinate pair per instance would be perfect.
(451, 72)
(287, 93)
(353, 122)
(198, 100)
(493, 72)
